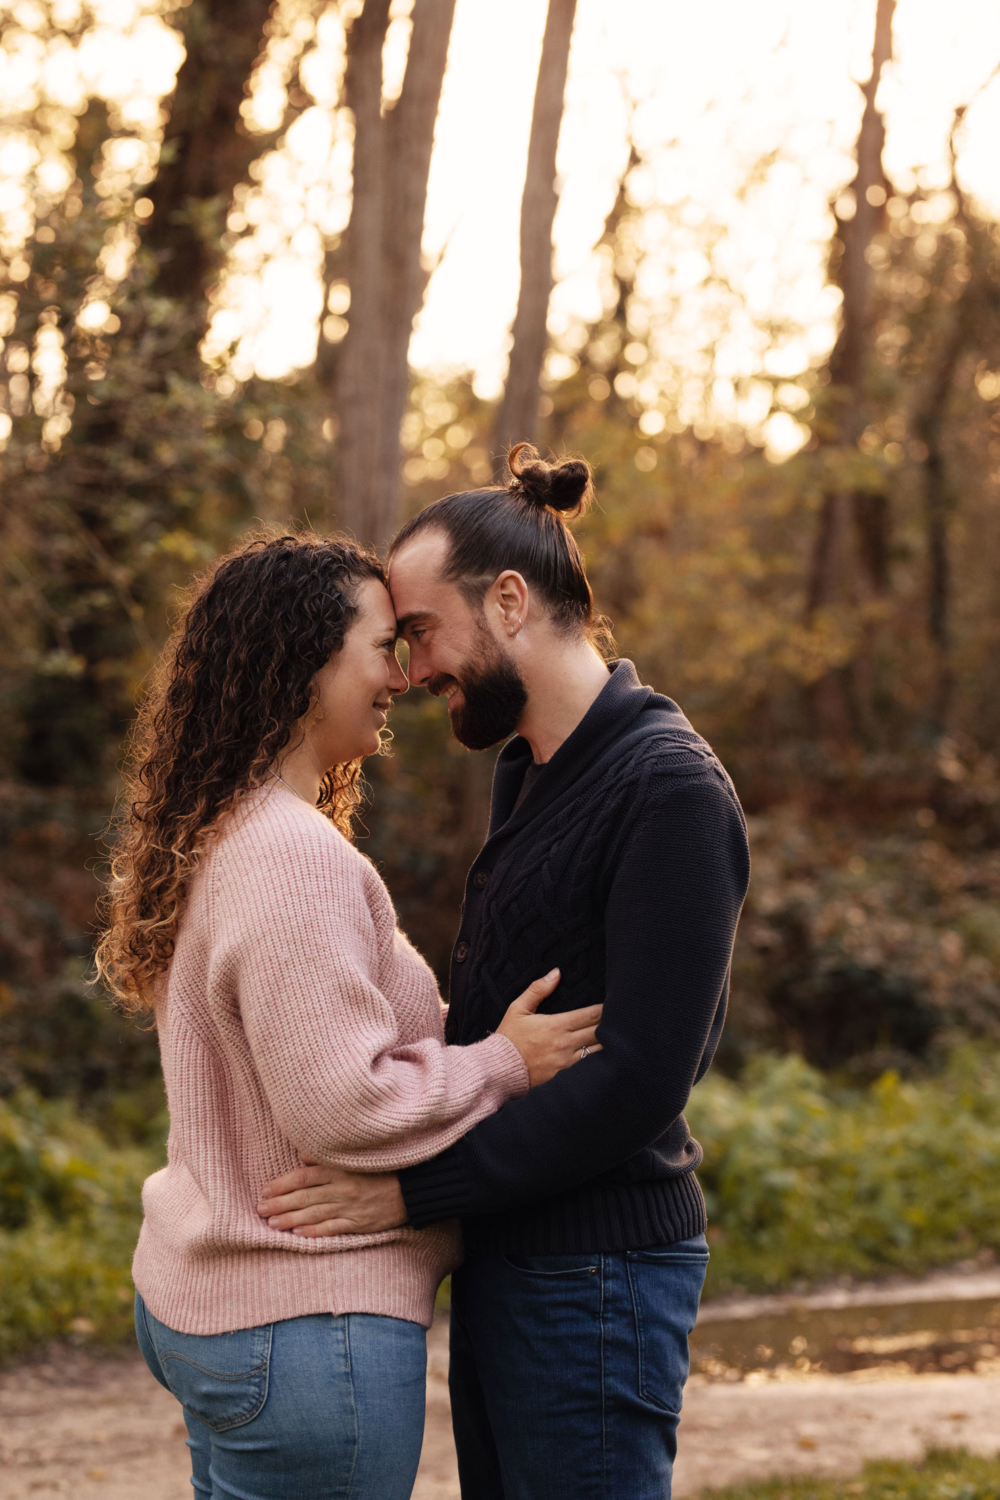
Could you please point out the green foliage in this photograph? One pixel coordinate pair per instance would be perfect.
(943, 1475)
(69, 1218)
(806, 1180)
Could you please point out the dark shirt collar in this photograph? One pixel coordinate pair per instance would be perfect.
(610, 716)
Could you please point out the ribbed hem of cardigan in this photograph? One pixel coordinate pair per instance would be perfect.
(606, 1218)
(226, 1291)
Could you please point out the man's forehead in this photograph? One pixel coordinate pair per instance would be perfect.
(415, 580)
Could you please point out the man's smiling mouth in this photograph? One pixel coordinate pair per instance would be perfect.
(444, 689)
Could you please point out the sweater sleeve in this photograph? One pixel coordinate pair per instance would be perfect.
(670, 922)
(303, 952)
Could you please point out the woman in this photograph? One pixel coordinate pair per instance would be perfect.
(295, 1022)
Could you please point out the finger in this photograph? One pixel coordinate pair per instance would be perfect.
(585, 1038)
(580, 1037)
(304, 1198)
(301, 1177)
(316, 1213)
(329, 1226)
(587, 1015)
(578, 1057)
(538, 991)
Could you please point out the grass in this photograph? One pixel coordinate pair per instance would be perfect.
(943, 1475)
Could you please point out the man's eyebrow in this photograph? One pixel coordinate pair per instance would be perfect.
(405, 621)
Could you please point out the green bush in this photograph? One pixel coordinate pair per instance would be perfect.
(941, 1476)
(806, 1179)
(69, 1216)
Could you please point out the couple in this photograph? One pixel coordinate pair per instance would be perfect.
(285, 1304)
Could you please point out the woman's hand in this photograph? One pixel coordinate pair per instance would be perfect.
(549, 1043)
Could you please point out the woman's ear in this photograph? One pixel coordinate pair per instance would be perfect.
(314, 713)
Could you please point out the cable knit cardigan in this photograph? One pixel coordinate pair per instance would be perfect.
(296, 1020)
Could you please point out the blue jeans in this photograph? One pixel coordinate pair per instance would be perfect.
(567, 1371)
(313, 1408)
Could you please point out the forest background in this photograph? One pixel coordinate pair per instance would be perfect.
(218, 297)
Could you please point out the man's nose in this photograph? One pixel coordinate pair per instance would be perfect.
(417, 669)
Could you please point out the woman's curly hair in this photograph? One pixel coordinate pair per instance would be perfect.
(234, 680)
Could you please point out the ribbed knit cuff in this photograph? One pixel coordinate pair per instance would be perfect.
(437, 1189)
(507, 1066)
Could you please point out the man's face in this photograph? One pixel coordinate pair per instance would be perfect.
(453, 651)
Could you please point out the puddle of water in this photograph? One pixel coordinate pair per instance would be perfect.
(914, 1337)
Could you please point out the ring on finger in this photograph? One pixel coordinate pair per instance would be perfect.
(584, 1052)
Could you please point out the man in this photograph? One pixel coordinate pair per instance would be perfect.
(617, 850)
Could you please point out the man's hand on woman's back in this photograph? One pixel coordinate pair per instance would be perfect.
(313, 1200)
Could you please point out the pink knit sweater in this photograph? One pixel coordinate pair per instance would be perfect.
(297, 1021)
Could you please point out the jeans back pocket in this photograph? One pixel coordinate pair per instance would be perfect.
(665, 1283)
(221, 1378)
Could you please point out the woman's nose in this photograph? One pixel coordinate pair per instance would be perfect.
(397, 678)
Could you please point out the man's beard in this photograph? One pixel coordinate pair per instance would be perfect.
(494, 697)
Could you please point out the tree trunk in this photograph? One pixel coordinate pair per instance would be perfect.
(381, 258)
(851, 543)
(409, 129)
(358, 369)
(849, 357)
(939, 497)
(206, 148)
(517, 419)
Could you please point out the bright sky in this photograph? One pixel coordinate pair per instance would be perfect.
(745, 115)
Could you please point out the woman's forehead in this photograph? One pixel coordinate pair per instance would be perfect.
(375, 606)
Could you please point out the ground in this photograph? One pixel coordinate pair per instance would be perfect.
(100, 1428)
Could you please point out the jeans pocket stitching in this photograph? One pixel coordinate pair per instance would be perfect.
(666, 1258)
(186, 1359)
(645, 1394)
(262, 1369)
(588, 1270)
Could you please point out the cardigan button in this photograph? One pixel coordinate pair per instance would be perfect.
(481, 879)
(461, 953)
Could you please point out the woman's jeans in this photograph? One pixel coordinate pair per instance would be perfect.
(313, 1408)
(567, 1371)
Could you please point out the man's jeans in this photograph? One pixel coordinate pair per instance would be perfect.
(312, 1408)
(567, 1371)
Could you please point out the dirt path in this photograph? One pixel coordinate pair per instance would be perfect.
(102, 1429)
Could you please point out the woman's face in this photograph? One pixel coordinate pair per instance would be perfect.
(355, 688)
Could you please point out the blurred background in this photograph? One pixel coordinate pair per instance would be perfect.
(319, 261)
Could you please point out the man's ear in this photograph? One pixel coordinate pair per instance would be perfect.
(508, 597)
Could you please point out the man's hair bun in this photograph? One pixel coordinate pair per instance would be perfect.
(564, 487)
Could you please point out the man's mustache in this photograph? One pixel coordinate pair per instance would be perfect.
(440, 683)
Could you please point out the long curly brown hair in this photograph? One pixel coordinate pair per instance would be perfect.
(234, 680)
